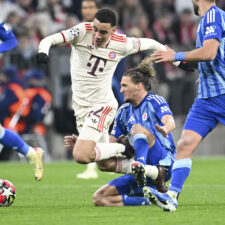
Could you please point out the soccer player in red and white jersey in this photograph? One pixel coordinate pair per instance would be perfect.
(96, 51)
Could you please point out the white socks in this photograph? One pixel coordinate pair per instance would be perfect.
(31, 152)
(151, 171)
(124, 165)
(108, 150)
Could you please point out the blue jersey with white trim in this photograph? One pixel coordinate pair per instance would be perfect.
(7, 38)
(148, 113)
(212, 73)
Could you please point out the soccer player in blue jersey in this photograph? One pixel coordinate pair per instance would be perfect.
(147, 120)
(209, 106)
(7, 137)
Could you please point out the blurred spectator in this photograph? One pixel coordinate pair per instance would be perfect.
(181, 5)
(142, 23)
(14, 19)
(88, 10)
(162, 29)
(71, 21)
(22, 55)
(184, 28)
(6, 8)
(39, 101)
(155, 8)
(11, 97)
(27, 7)
(128, 13)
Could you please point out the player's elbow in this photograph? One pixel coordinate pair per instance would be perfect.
(210, 56)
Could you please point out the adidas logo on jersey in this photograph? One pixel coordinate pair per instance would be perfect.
(210, 30)
(131, 119)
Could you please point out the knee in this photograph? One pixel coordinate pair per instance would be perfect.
(97, 199)
(108, 164)
(138, 129)
(183, 143)
(80, 157)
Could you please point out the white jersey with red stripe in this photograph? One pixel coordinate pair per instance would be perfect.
(92, 67)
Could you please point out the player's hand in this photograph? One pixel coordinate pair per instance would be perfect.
(160, 56)
(188, 66)
(69, 141)
(41, 58)
(162, 130)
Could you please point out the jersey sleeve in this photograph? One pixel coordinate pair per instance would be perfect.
(213, 25)
(118, 128)
(7, 37)
(133, 45)
(161, 106)
(75, 33)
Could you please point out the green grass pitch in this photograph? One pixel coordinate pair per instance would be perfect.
(61, 199)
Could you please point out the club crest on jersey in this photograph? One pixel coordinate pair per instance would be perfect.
(112, 55)
(144, 116)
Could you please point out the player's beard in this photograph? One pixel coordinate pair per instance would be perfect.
(196, 8)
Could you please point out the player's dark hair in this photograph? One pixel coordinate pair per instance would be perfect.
(106, 16)
(143, 73)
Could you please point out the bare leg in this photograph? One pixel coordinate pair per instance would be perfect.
(107, 195)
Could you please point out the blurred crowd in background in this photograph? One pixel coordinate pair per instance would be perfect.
(170, 22)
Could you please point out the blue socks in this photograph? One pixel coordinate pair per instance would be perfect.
(12, 140)
(180, 172)
(133, 201)
(140, 148)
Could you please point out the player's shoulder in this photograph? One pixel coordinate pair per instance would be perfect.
(84, 26)
(88, 26)
(155, 99)
(213, 15)
(123, 108)
(118, 39)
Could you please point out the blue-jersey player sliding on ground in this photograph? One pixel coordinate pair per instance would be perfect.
(209, 106)
(7, 137)
(147, 120)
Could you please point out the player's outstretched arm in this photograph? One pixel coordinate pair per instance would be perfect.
(206, 53)
(150, 44)
(44, 46)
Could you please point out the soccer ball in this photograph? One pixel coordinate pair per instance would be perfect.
(7, 193)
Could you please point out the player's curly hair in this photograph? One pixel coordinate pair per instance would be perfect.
(106, 16)
(144, 73)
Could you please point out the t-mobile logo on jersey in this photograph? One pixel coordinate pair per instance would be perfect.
(210, 30)
(95, 65)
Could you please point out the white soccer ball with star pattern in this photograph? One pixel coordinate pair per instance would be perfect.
(7, 193)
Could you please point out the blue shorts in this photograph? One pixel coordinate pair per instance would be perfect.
(205, 115)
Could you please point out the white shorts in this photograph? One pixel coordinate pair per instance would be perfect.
(94, 125)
